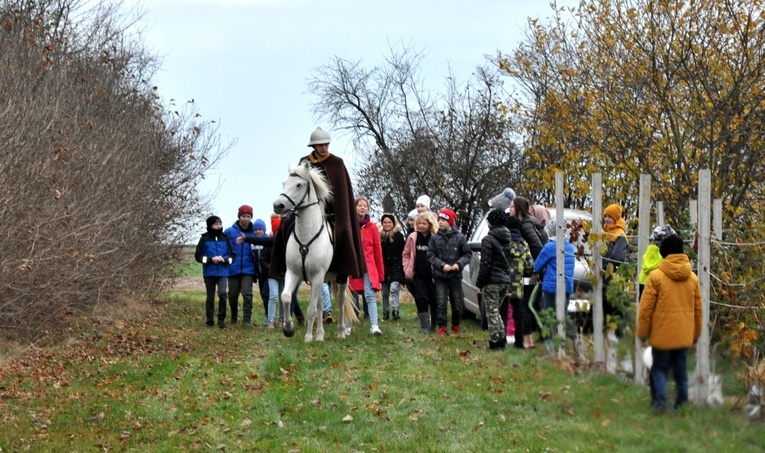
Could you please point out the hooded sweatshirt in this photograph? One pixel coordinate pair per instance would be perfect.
(670, 307)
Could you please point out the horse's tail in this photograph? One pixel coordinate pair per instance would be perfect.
(349, 309)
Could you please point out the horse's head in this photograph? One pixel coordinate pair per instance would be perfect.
(304, 187)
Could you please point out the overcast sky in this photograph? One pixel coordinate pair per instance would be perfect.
(246, 64)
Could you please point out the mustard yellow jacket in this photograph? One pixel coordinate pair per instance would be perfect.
(670, 307)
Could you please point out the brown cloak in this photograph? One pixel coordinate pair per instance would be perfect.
(348, 258)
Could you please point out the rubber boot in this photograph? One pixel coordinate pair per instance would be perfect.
(424, 323)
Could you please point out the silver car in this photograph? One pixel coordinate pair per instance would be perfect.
(579, 301)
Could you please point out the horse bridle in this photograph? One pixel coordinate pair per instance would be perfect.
(299, 205)
(304, 248)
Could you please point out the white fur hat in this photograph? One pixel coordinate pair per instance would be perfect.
(423, 200)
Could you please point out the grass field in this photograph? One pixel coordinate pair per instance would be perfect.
(165, 382)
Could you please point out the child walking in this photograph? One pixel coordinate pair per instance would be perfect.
(494, 275)
(392, 241)
(518, 325)
(417, 269)
(448, 253)
(216, 253)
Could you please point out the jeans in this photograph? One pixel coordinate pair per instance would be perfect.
(265, 293)
(240, 284)
(390, 293)
(451, 289)
(663, 360)
(369, 298)
(275, 288)
(210, 284)
(326, 298)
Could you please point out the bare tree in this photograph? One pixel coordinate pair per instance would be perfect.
(455, 146)
(97, 178)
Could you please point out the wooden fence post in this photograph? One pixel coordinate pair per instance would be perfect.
(644, 224)
(597, 305)
(702, 375)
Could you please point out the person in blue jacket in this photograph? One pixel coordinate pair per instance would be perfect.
(243, 270)
(216, 254)
(546, 262)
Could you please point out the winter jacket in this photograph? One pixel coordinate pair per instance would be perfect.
(495, 263)
(670, 307)
(651, 260)
(448, 247)
(393, 252)
(244, 263)
(534, 234)
(264, 256)
(210, 246)
(547, 261)
(521, 264)
(370, 244)
(616, 252)
(409, 257)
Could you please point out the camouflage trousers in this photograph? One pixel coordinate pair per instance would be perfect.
(492, 299)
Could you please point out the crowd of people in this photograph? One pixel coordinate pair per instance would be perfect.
(427, 256)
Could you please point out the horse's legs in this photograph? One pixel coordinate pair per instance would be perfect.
(291, 282)
(313, 311)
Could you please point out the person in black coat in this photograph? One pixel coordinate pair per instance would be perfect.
(392, 241)
(494, 275)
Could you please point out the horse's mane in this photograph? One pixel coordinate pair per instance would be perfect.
(319, 181)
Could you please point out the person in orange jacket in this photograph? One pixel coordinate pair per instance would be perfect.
(670, 318)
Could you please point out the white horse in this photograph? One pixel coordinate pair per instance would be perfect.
(310, 248)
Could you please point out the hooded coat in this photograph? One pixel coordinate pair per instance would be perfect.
(534, 234)
(495, 264)
(243, 264)
(670, 308)
(393, 243)
(370, 243)
(448, 247)
(348, 257)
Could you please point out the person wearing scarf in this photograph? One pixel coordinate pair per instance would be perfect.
(615, 231)
(375, 268)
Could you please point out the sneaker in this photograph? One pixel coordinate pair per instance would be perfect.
(441, 331)
(270, 325)
(510, 340)
(328, 317)
(347, 330)
(222, 324)
(375, 330)
(456, 330)
(246, 323)
(210, 323)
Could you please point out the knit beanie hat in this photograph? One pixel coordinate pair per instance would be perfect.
(541, 213)
(259, 225)
(275, 222)
(660, 232)
(412, 214)
(671, 244)
(423, 200)
(211, 221)
(244, 209)
(496, 217)
(614, 211)
(503, 200)
(447, 214)
(513, 222)
(388, 216)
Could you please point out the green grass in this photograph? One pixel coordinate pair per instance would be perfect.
(168, 383)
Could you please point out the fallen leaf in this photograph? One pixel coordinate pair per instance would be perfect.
(347, 419)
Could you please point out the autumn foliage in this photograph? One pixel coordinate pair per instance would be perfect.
(96, 177)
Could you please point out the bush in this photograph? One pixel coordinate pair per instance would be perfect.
(97, 178)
